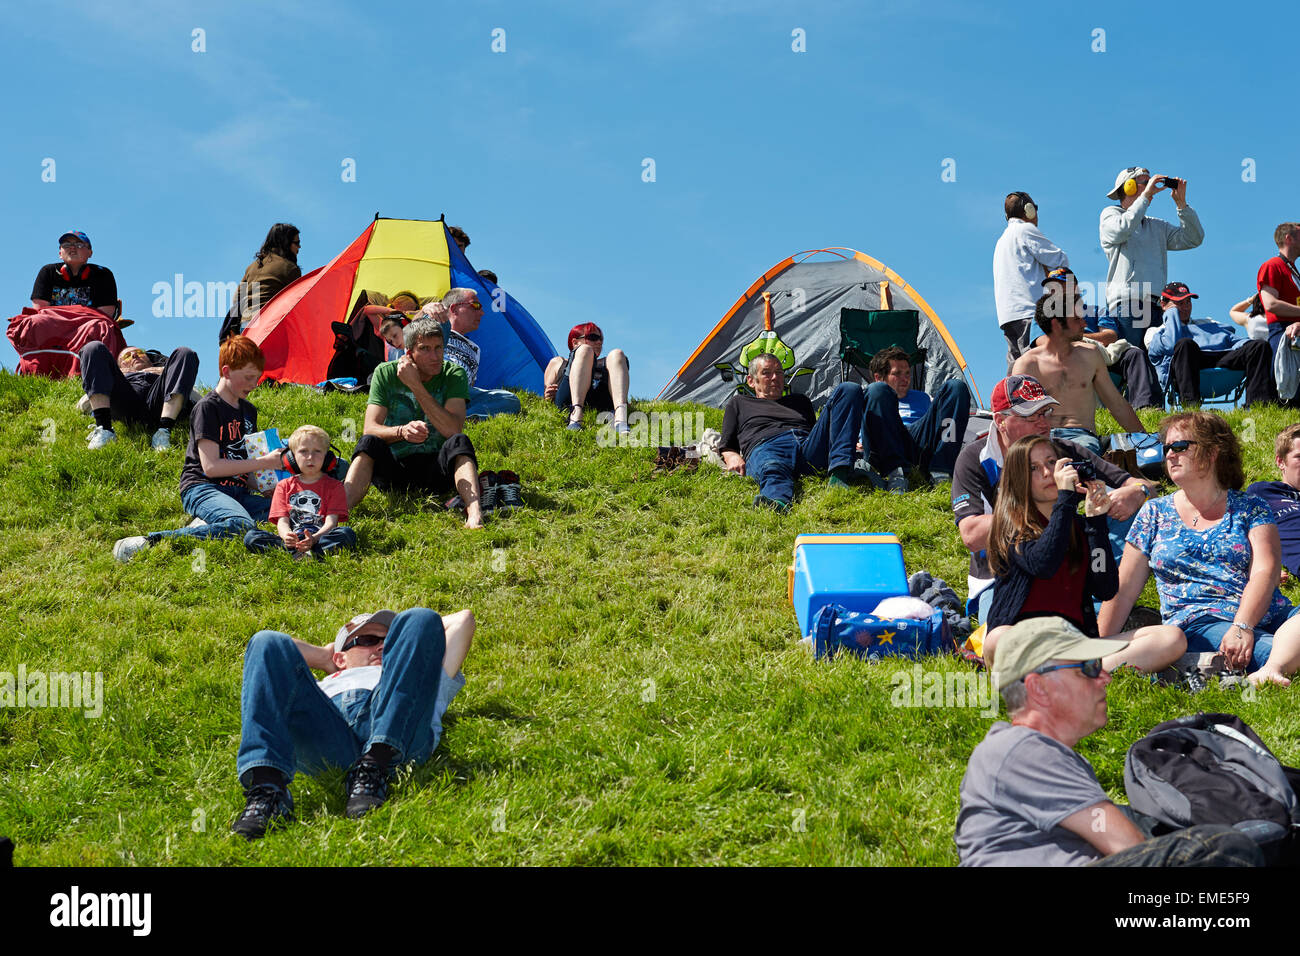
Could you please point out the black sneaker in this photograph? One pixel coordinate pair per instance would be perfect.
(268, 805)
(509, 496)
(366, 786)
(487, 492)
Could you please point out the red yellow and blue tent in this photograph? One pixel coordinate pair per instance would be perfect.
(418, 255)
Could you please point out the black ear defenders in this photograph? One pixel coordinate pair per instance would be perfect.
(85, 273)
(290, 463)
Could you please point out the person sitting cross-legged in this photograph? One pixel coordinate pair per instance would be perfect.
(309, 507)
(903, 428)
(389, 680)
(775, 438)
(133, 389)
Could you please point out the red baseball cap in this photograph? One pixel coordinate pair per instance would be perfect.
(1177, 291)
(1022, 394)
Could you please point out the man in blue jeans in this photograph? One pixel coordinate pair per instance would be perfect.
(904, 428)
(389, 679)
(775, 438)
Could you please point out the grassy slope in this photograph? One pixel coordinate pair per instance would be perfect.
(615, 578)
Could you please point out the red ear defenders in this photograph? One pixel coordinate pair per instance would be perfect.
(291, 464)
(85, 273)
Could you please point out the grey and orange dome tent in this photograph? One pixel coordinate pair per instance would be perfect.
(823, 312)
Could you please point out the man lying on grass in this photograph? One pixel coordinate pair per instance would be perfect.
(389, 679)
(217, 471)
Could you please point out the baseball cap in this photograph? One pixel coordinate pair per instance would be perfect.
(1033, 642)
(1177, 291)
(74, 234)
(1061, 274)
(1130, 172)
(1022, 394)
(382, 619)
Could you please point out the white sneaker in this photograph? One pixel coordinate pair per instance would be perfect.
(125, 548)
(197, 523)
(99, 437)
(162, 440)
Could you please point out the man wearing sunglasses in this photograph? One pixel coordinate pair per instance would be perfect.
(74, 281)
(1137, 245)
(389, 679)
(1028, 799)
(464, 313)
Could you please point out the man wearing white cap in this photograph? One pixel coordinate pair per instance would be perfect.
(1028, 799)
(1136, 246)
(389, 680)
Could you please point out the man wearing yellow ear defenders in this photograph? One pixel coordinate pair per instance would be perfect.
(1136, 245)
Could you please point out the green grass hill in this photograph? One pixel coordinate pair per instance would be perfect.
(636, 693)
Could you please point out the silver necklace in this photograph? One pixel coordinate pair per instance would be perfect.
(1196, 519)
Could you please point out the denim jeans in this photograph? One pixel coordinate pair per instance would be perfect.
(289, 723)
(261, 541)
(229, 512)
(1213, 844)
(1080, 436)
(832, 443)
(932, 442)
(1207, 633)
(486, 402)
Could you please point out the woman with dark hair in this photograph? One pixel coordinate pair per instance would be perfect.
(599, 383)
(273, 268)
(1051, 562)
(1215, 553)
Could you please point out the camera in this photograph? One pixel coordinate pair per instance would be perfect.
(1169, 182)
(1086, 470)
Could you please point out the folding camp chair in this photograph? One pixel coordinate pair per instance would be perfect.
(863, 333)
(1219, 386)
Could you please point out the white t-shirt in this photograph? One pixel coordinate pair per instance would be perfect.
(1021, 259)
(367, 678)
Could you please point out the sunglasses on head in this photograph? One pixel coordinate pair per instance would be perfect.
(1089, 669)
(1179, 446)
(363, 640)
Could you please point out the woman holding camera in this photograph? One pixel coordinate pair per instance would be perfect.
(1050, 561)
(1215, 553)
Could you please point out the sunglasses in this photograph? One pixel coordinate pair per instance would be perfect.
(364, 640)
(1089, 669)
(591, 338)
(476, 305)
(73, 245)
(1179, 446)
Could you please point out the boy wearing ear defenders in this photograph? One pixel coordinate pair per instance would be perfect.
(1022, 257)
(308, 506)
(1136, 245)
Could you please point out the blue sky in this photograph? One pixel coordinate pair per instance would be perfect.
(177, 161)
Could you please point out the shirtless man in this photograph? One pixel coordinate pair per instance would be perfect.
(1073, 371)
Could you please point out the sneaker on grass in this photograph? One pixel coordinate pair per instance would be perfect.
(366, 787)
(487, 492)
(162, 440)
(267, 805)
(896, 482)
(99, 437)
(124, 549)
(509, 496)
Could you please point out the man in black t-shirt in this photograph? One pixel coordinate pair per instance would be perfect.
(74, 281)
(774, 438)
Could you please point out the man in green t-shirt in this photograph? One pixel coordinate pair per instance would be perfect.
(414, 417)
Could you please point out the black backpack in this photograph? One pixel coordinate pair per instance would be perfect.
(1210, 768)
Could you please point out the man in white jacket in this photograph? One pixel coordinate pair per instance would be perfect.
(1022, 257)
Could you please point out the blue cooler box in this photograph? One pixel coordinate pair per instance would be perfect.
(855, 571)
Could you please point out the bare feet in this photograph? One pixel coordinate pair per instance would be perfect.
(1264, 675)
(474, 516)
